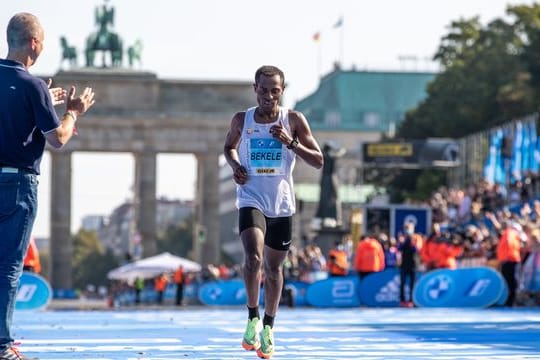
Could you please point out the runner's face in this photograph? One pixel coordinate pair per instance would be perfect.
(269, 90)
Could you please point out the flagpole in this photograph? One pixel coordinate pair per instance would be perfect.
(341, 45)
(317, 39)
(339, 24)
(319, 59)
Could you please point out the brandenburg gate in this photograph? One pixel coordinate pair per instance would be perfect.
(138, 113)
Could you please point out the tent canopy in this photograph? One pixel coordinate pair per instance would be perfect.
(151, 267)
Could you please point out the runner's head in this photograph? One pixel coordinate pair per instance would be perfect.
(269, 86)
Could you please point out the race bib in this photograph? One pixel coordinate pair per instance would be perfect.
(265, 157)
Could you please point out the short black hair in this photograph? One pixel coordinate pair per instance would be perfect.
(269, 70)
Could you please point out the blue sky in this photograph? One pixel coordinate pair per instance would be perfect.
(216, 39)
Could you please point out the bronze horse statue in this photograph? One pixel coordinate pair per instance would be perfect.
(134, 53)
(109, 42)
(104, 40)
(69, 53)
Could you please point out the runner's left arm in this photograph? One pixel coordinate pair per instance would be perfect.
(308, 149)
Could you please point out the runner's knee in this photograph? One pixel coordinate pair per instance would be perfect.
(252, 262)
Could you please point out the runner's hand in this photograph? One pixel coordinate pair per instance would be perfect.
(240, 175)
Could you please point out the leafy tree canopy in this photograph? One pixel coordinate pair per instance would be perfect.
(491, 75)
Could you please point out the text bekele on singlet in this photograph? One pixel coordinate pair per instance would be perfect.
(269, 165)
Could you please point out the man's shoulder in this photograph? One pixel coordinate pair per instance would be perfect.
(295, 114)
(29, 82)
(238, 118)
(240, 114)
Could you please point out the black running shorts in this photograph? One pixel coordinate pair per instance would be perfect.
(277, 231)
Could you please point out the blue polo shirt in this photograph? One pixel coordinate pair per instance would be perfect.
(26, 113)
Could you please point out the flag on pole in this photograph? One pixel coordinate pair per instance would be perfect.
(516, 152)
(338, 23)
(317, 36)
(533, 150)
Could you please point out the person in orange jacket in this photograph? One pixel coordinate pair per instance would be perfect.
(428, 252)
(160, 284)
(446, 249)
(179, 280)
(369, 257)
(337, 263)
(31, 260)
(508, 254)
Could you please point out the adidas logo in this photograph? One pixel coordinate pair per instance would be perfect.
(390, 291)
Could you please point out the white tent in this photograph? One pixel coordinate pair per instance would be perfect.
(151, 267)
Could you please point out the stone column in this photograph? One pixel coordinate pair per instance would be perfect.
(60, 244)
(207, 249)
(145, 185)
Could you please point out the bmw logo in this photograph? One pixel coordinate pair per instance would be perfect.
(438, 287)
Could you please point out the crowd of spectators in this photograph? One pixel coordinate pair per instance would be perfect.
(482, 225)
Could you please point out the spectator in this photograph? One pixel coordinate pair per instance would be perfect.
(291, 269)
(31, 260)
(390, 251)
(337, 262)
(508, 254)
(428, 253)
(160, 284)
(369, 257)
(407, 264)
(179, 280)
(138, 285)
(448, 247)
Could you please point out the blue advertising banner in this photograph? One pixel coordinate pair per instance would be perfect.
(467, 287)
(381, 289)
(233, 292)
(419, 216)
(334, 292)
(504, 295)
(299, 290)
(230, 292)
(34, 292)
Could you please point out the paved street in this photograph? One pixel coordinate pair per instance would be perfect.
(215, 333)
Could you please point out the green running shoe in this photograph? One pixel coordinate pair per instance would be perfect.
(251, 335)
(267, 343)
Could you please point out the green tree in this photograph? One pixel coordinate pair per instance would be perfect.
(491, 75)
(90, 261)
(177, 239)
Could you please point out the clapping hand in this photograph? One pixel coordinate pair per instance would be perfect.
(58, 94)
(81, 103)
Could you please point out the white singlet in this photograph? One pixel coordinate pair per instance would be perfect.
(269, 165)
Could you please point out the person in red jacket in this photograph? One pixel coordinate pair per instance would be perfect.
(31, 260)
(508, 254)
(369, 257)
(179, 280)
(428, 252)
(447, 248)
(160, 284)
